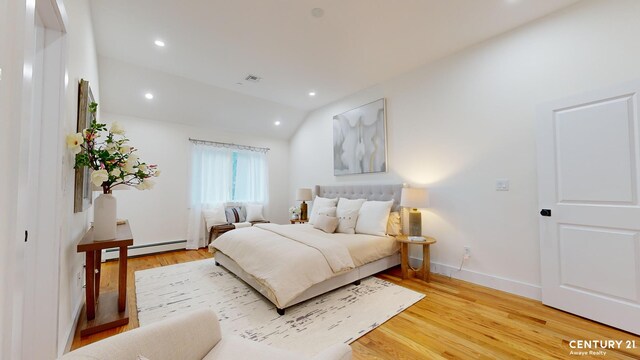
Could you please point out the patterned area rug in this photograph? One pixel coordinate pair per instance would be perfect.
(342, 315)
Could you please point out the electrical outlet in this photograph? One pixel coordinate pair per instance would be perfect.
(467, 252)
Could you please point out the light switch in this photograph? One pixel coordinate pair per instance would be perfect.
(502, 184)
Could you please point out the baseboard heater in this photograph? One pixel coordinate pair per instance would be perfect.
(145, 249)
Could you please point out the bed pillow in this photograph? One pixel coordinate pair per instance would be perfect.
(318, 204)
(254, 212)
(235, 214)
(347, 221)
(348, 204)
(327, 224)
(373, 217)
(393, 224)
(347, 213)
(214, 216)
(328, 211)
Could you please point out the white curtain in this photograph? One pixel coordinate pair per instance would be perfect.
(251, 183)
(220, 175)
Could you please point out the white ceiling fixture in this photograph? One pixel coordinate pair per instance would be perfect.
(159, 43)
(317, 12)
(277, 123)
(148, 96)
(312, 93)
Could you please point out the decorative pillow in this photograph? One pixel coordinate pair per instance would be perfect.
(318, 204)
(347, 221)
(214, 216)
(327, 224)
(348, 204)
(328, 211)
(235, 214)
(393, 224)
(373, 217)
(254, 212)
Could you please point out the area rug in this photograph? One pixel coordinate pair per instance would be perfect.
(340, 316)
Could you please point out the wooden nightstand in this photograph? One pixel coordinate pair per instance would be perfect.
(299, 221)
(424, 272)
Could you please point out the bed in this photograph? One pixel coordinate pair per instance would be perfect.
(289, 264)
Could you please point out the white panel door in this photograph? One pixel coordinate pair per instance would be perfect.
(590, 215)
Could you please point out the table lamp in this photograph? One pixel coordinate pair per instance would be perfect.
(304, 195)
(414, 198)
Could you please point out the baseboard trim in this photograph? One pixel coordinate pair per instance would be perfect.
(145, 249)
(495, 282)
(74, 326)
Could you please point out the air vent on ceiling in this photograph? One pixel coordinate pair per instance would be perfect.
(253, 78)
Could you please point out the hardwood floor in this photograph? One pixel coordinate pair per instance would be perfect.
(456, 320)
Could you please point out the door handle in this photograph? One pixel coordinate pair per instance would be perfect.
(545, 212)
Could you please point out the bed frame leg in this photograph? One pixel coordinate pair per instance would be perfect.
(217, 263)
(357, 282)
(280, 311)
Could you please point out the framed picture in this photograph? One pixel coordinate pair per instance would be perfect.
(82, 193)
(360, 140)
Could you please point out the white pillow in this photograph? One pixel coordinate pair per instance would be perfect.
(393, 224)
(254, 212)
(318, 204)
(327, 224)
(347, 221)
(214, 216)
(373, 217)
(348, 204)
(328, 211)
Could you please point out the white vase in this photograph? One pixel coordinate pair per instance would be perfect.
(104, 217)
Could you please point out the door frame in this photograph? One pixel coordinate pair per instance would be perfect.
(32, 270)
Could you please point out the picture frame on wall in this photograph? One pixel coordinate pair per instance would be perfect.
(360, 140)
(82, 190)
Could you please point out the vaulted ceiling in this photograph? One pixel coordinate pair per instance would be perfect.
(212, 45)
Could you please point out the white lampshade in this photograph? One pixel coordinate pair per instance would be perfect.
(415, 198)
(304, 195)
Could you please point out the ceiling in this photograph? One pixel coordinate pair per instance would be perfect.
(212, 45)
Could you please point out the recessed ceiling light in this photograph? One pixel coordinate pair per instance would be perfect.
(317, 12)
(277, 123)
(159, 43)
(148, 96)
(312, 93)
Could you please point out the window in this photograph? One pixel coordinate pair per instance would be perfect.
(221, 174)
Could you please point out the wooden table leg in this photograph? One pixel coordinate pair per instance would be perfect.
(122, 279)
(404, 259)
(426, 263)
(98, 262)
(90, 287)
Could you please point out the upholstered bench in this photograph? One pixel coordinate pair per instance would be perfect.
(226, 217)
(218, 230)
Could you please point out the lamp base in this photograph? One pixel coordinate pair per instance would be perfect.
(303, 211)
(415, 223)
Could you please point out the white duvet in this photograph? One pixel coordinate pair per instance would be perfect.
(289, 259)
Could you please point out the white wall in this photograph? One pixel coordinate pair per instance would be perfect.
(82, 64)
(457, 125)
(161, 214)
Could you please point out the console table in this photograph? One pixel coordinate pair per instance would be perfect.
(107, 310)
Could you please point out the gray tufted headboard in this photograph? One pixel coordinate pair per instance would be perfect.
(369, 192)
